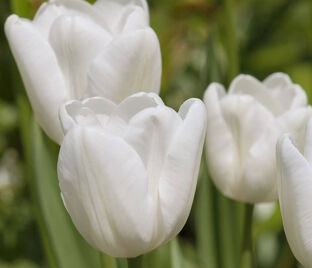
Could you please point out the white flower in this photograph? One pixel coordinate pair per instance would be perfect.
(128, 172)
(73, 50)
(243, 128)
(295, 192)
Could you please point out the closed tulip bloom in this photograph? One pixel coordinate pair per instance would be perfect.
(243, 128)
(128, 172)
(294, 162)
(74, 50)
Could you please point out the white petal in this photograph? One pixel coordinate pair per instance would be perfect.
(114, 10)
(104, 185)
(178, 178)
(248, 121)
(259, 173)
(51, 10)
(77, 41)
(283, 90)
(132, 19)
(150, 133)
(136, 103)
(129, 64)
(221, 151)
(294, 122)
(41, 74)
(274, 80)
(308, 141)
(98, 108)
(295, 192)
(246, 84)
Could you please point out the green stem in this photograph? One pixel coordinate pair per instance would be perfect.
(107, 261)
(206, 222)
(135, 262)
(227, 230)
(121, 263)
(247, 254)
(231, 41)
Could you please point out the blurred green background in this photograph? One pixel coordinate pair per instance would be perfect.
(201, 41)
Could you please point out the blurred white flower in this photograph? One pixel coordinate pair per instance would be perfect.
(128, 172)
(243, 128)
(294, 164)
(10, 174)
(73, 50)
(264, 211)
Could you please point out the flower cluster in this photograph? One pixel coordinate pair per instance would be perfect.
(128, 164)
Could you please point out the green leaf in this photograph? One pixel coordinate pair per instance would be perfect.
(206, 220)
(69, 248)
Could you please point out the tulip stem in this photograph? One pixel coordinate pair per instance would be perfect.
(231, 40)
(247, 254)
(107, 261)
(121, 263)
(135, 262)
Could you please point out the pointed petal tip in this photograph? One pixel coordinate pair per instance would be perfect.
(10, 21)
(242, 78)
(192, 104)
(214, 89)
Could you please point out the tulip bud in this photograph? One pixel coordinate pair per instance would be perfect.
(294, 163)
(242, 131)
(74, 50)
(128, 172)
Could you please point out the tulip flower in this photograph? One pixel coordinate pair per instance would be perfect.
(243, 127)
(128, 171)
(74, 50)
(294, 162)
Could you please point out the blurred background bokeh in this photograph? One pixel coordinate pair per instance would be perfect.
(202, 41)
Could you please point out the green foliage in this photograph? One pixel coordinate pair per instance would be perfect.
(69, 249)
(271, 36)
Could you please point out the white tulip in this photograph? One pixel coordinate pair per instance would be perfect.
(128, 172)
(242, 130)
(294, 164)
(74, 50)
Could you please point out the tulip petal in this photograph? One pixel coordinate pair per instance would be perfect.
(246, 84)
(105, 191)
(295, 191)
(150, 133)
(100, 109)
(221, 151)
(49, 11)
(308, 141)
(260, 166)
(288, 94)
(114, 10)
(248, 121)
(275, 80)
(132, 19)
(259, 171)
(129, 64)
(136, 103)
(77, 41)
(41, 74)
(179, 174)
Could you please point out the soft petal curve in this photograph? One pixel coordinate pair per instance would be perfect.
(43, 79)
(129, 64)
(295, 191)
(76, 42)
(104, 198)
(221, 152)
(49, 11)
(178, 178)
